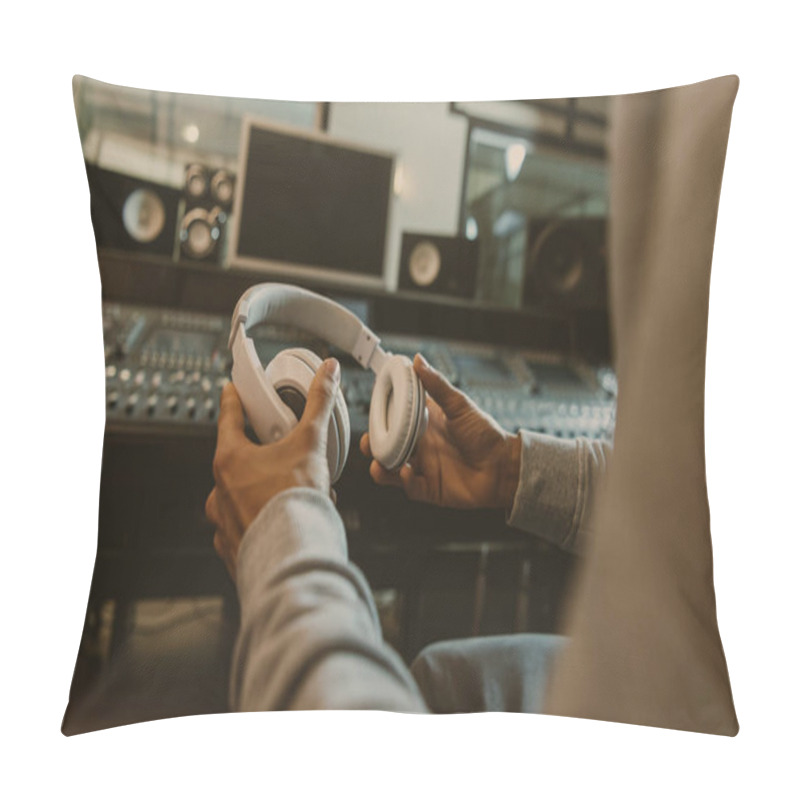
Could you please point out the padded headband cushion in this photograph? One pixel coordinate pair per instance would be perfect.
(281, 304)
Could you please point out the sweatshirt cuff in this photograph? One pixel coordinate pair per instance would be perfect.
(547, 501)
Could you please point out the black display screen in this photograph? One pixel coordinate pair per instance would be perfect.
(314, 203)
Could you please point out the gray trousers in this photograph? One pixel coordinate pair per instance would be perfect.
(487, 673)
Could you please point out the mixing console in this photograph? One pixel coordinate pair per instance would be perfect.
(167, 367)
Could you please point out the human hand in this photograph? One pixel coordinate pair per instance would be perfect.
(464, 459)
(248, 475)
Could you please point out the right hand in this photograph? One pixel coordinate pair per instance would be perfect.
(464, 460)
(248, 475)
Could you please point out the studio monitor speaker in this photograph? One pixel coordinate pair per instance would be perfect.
(446, 265)
(566, 264)
(208, 197)
(133, 214)
(208, 187)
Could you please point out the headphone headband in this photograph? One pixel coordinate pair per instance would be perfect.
(392, 440)
(290, 305)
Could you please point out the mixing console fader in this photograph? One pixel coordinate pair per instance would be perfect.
(163, 367)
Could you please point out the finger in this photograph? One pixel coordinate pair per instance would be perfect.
(416, 459)
(364, 445)
(415, 486)
(382, 476)
(451, 401)
(321, 397)
(230, 426)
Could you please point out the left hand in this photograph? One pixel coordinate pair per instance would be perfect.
(249, 475)
(464, 459)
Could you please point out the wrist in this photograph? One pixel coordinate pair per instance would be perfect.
(509, 471)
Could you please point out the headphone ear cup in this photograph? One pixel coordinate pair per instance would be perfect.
(291, 373)
(397, 412)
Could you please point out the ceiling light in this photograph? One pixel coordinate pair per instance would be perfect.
(515, 156)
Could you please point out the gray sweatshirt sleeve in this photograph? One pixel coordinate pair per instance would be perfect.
(557, 481)
(310, 637)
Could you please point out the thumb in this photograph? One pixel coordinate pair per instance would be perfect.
(230, 421)
(451, 401)
(321, 396)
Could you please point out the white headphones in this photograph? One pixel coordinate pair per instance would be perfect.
(274, 398)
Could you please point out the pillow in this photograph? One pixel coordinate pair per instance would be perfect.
(168, 201)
